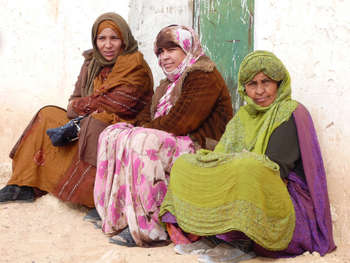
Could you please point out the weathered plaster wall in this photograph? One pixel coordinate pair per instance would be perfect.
(313, 39)
(41, 43)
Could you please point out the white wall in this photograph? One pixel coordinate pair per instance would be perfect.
(41, 43)
(313, 39)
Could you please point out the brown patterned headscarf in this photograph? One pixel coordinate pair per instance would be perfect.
(119, 25)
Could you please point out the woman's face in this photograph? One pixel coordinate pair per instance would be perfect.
(109, 44)
(171, 58)
(262, 90)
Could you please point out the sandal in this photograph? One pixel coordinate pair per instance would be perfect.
(15, 193)
(124, 238)
(224, 253)
(92, 215)
(195, 248)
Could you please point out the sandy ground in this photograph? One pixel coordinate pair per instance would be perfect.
(49, 230)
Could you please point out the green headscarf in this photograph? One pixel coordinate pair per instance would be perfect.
(98, 61)
(252, 126)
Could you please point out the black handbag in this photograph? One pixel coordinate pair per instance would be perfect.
(65, 134)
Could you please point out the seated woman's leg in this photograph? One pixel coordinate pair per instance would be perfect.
(77, 183)
(305, 231)
(213, 194)
(132, 178)
(36, 162)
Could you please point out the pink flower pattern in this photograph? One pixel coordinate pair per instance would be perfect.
(129, 193)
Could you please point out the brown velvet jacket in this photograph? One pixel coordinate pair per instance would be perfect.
(202, 105)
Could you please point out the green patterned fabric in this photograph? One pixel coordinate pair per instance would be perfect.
(237, 187)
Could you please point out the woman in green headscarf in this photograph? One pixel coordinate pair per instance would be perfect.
(114, 84)
(250, 186)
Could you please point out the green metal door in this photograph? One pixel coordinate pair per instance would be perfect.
(226, 30)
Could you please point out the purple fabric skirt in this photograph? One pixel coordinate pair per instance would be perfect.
(306, 230)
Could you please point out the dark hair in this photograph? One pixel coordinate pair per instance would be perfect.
(164, 40)
(166, 45)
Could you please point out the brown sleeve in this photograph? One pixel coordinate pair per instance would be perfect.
(84, 105)
(81, 81)
(125, 101)
(144, 116)
(198, 97)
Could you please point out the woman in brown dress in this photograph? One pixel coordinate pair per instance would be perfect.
(115, 83)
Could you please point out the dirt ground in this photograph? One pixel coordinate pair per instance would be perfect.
(49, 230)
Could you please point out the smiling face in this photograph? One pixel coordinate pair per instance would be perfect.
(262, 90)
(109, 44)
(170, 58)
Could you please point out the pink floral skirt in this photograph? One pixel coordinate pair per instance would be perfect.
(133, 166)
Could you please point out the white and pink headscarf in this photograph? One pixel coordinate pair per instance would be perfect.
(187, 39)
